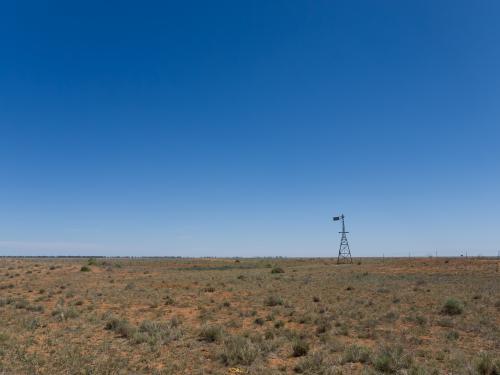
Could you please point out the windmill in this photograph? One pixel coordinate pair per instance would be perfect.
(344, 250)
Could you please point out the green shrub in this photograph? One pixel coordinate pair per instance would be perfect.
(305, 319)
(71, 313)
(4, 338)
(452, 335)
(390, 316)
(313, 364)
(92, 262)
(323, 326)
(300, 348)
(356, 353)
(238, 350)
(383, 363)
(277, 270)
(446, 322)
(259, 321)
(392, 360)
(487, 365)
(156, 333)
(61, 313)
(32, 324)
(279, 324)
(452, 307)
(35, 308)
(421, 320)
(269, 335)
(169, 300)
(211, 333)
(85, 269)
(343, 330)
(273, 301)
(21, 304)
(121, 327)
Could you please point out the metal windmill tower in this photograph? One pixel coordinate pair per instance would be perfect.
(344, 250)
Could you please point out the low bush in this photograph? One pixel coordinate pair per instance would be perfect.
(356, 353)
(392, 360)
(35, 308)
(21, 304)
(169, 300)
(300, 348)
(452, 335)
(421, 320)
(279, 324)
(314, 364)
(277, 270)
(322, 326)
(273, 301)
(121, 327)
(452, 307)
(259, 321)
(157, 333)
(61, 313)
(211, 333)
(31, 324)
(487, 365)
(238, 350)
(151, 332)
(92, 262)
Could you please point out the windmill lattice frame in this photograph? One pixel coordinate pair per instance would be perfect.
(344, 255)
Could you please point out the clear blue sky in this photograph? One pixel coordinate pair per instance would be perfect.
(240, 128)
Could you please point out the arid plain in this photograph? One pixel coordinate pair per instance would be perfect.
(249, 316)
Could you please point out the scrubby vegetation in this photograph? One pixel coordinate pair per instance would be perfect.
(277, 269)
(300, 348)
(218, 316)
(212, 333)
(452, 307)
(239, 350)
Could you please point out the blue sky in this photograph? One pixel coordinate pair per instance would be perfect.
(236, 128)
